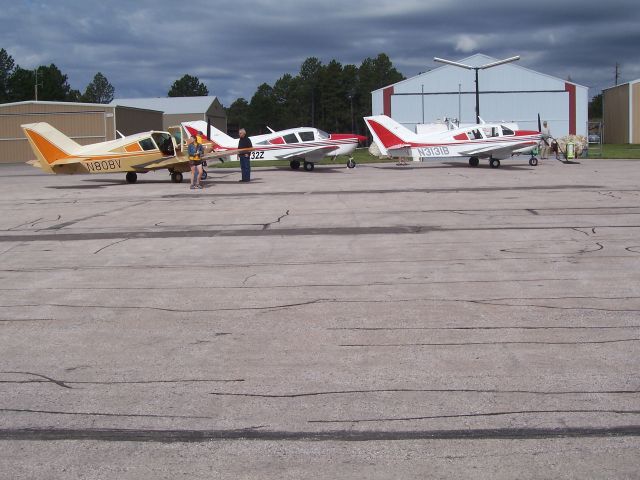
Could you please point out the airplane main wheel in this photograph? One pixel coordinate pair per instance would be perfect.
(494, 162)
(473, 162)
(294, 164)
(351, 163)
(131, 177)
(176, 177)
(309, 166)
(204, 174)
(533, 161)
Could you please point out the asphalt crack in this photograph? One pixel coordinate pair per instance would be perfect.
(474, 415)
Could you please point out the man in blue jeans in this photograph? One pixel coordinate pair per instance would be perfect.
(245, 164)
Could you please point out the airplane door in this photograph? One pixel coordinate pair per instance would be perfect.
(178, 138)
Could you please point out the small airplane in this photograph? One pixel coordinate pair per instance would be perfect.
(303, 144)
(138, 153)
(493, 141)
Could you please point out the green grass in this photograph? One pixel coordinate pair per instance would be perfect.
(615, 151)
(361, 155)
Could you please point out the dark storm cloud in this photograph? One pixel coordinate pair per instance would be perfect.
(144, 46)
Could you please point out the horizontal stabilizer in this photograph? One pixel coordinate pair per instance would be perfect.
(49, 144)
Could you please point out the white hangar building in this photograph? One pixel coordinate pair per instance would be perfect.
(508, 93)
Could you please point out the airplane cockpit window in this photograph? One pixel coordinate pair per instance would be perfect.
(163, 140)
(475, 134)
(323, 135)
(506, 131)
(147, 144)
(306, 136)
(291, 138)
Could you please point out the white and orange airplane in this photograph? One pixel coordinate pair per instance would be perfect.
(493, 141)
(133, 154)
(303, 144)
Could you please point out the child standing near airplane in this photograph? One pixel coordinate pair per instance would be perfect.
(196, 151)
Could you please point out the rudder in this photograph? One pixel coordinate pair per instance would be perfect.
(48, 144)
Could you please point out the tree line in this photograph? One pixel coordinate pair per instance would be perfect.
(18, 84)
(332, 97)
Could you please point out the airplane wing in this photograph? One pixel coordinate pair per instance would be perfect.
(228, 153)
(164, 162)
(488, 151)
(311, 154)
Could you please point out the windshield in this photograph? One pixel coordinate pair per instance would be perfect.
(322, 134)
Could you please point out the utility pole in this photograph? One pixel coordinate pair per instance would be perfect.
(36, 86)
(617, 72)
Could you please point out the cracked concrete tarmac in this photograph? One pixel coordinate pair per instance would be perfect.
(375, 322)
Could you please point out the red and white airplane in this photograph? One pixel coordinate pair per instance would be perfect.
(302, 144)
(493, 141)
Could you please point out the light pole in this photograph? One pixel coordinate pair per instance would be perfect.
(36, 85)
(482, 67)
(350, 95)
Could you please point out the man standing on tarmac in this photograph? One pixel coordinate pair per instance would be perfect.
(245, 164)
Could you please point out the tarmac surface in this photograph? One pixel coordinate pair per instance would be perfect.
(428, 321)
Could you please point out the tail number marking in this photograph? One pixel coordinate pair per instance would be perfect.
(103, 165)
(256, 155)
(433, 151)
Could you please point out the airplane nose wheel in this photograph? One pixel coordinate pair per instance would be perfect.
(351, 163)
(533, 161)
(131, 177)
(473, 162)
(176, 177)
(294, 164)
(309, 166)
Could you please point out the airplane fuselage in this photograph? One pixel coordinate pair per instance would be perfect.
(492, 141)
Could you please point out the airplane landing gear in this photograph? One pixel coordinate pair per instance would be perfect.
(176, 177)
(131, 177)
(473, 162)
(351, 163)
(533, 161)
(309, 166)
(204, 174)
(294, 164)
(494, 163)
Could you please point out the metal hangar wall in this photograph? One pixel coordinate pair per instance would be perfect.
(509, 93)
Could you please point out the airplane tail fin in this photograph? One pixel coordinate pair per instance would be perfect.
(48, 144)
(218, 138)
(388, 134)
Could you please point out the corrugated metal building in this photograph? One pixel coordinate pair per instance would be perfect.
(84, 122)
(621, 113)
(182, 109)
(508, 92)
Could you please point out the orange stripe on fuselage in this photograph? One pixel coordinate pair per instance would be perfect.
(48, 150)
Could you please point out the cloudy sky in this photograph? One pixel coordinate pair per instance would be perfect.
(143, 46)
